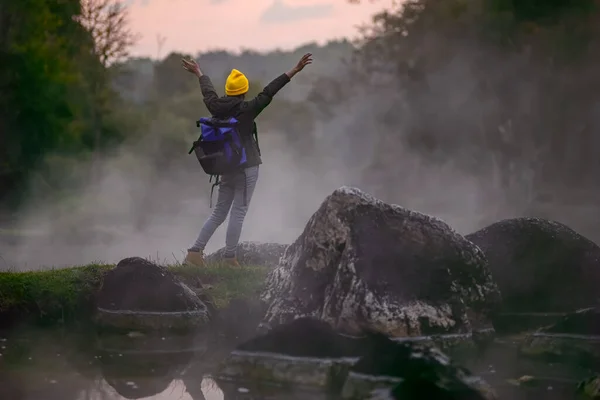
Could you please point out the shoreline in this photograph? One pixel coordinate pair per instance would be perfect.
(67, 295)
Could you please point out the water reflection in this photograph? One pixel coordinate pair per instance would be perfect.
(139, 366)
(59, 365)
(69, 365)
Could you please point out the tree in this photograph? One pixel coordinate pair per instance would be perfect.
(38, 44)
(108, 23)
(499, 86)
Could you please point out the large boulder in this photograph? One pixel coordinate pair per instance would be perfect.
(540, 265)
(364, 264)
(138, 294)
(253, 253)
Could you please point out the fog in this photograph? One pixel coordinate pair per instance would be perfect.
(134, 210)
(159, 218)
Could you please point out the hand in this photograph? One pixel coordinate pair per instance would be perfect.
(191, 66)
(304, 61)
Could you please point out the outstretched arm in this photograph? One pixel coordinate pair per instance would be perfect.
(264, 98)
(208, 90)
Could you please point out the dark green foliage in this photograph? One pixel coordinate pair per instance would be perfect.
(54, 92)
(51, 295)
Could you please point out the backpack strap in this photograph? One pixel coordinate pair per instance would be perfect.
(194, 145)
(214, 185)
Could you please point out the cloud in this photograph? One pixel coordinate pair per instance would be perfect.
(280, 12)
(188, 29)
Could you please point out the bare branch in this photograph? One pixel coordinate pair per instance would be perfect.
(107, 22)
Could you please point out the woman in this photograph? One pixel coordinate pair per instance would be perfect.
(236, 189)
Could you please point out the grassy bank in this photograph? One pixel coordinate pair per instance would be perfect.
(66, 294)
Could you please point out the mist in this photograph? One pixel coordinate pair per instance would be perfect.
(135, 212)
(132, 209)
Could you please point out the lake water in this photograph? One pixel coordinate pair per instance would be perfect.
(61, 364)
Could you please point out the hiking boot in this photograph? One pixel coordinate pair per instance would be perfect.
(194, 259)
(231, 261)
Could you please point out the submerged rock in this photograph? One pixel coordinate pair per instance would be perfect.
(540, 265)
(138, 294)
(253, 253)
(575, 338)
(415, 372)
(308, 353)
(305, 353)
(364, 264)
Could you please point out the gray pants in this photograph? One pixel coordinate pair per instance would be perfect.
(235, 193)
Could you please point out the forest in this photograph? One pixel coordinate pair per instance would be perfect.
(487, 106)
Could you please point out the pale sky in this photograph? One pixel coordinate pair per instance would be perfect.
(199, 25)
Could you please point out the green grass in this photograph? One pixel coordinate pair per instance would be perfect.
(225, 283)
(56, 295)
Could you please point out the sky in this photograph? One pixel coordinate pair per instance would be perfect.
(191, 26)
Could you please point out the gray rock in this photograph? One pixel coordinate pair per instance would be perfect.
(540, 265)
(253, 253)
(305, 353)
(308, 354)
(361, 263)
(138, 294)
(412, 371)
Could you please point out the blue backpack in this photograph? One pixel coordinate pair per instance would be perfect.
(219, 149)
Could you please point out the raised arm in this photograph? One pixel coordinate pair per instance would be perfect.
(264, 98)
(209, 93)
(208, 90)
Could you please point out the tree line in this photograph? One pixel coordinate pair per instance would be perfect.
(497, 86)
(507, 90)
(70, 93)
(55, 95)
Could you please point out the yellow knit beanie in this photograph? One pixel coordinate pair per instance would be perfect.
(236, 83)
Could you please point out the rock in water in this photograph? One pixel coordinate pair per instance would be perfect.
(253, 253)
(361, 263)
(305, 353)
(308, 353)
(574, 339)
(138, 294)
(540, 265)
(414, 371)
